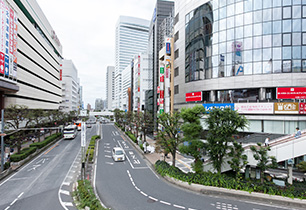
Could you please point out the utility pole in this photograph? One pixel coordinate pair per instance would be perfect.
(2, 140)
(83, 145)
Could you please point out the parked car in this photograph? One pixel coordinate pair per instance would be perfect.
(118, 154)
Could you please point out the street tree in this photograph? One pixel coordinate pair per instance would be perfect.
(192, 130)
(264, 160)
(36, 116)
(146, 123)
(17, 116)
(222, 125)
(238, 159)
(168, 138)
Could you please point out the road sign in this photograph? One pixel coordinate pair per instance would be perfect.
(83, 134)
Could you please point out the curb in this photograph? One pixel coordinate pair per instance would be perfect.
(238, 194)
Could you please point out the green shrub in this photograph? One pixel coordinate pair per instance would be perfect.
(24, 153)
(7, 165)
(132, 137)
(86, 196)
(46, 141)
(297, 190)
(141, 146)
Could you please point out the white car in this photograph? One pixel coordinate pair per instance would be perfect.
(118, 154)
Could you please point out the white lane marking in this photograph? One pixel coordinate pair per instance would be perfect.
(143, 193)
(109, 163)
(66, 183)
(153, 172)
(20, 195)
(107, 151)
(65, 192)
(166, 203)
(68, 204)
(14, 201)
(154, 199)
(180, 207)
(107, 156)
(7, 208)
(58, 194)
(191, 209)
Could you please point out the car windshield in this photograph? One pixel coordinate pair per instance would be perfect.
(69, 130)
(119, 152)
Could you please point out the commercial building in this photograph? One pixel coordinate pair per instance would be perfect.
(131, 39)
(142, 80)
(249, 55)
(30, 57)
(110, 87)
(126, 84)
(70, 87)
(162, 10)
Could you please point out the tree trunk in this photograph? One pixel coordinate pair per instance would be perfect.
(173, 158)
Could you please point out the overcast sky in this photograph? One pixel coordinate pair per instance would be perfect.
(86, 30)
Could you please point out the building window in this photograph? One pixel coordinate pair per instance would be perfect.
(176, 36)
(176, 19)
(176, 71)
(176, 89)
(176, 54)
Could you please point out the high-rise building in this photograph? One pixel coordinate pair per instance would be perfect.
(99, 105)
(110, 87)
(247, 55)
(30, 77)
(131, 39)
(70, 87)
(126, 84)
(162, 10)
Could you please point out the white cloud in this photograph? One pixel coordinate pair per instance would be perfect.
(86, 30)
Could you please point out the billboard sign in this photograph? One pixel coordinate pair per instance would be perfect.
(218, 106)
(286, 108)
(254, 108)
(291, 93)
(194, 96)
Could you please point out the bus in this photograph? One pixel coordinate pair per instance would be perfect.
(70, 132)
(78, 124)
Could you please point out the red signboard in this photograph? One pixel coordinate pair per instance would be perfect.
(61, 74)
(158, 89)
(161, 94)
(195, 96)
(162, 78)
(291, 93)
(302, 108)
(1, 62)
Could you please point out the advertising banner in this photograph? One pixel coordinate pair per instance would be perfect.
(161, 94)
(286, 108)
(2, 57)
(254, 108)
(161, 70)
(194, 96)
(168, 48)
(209, 107)
(302, 108)
(291, 93)
(162, 78)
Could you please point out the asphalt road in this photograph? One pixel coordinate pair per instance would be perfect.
(133, 185)
(44, 182)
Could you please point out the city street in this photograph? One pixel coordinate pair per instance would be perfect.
(44, 183)
(133, 185)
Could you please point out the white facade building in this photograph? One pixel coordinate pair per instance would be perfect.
(70, 87)
(142, 80)
(33, 76)
(126, 83)
(131, 38)
(110, 87)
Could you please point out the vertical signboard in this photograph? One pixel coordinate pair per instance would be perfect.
(83, 134)
(8, 40)
(302, 108)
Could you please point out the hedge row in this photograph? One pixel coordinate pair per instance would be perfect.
(297, 190)
(86, 196)
(91, 148)
(24, 153)
(48, 139)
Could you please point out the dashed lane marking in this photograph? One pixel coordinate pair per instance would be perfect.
(65, 192)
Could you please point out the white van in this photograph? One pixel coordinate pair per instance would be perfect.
(118, 154)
